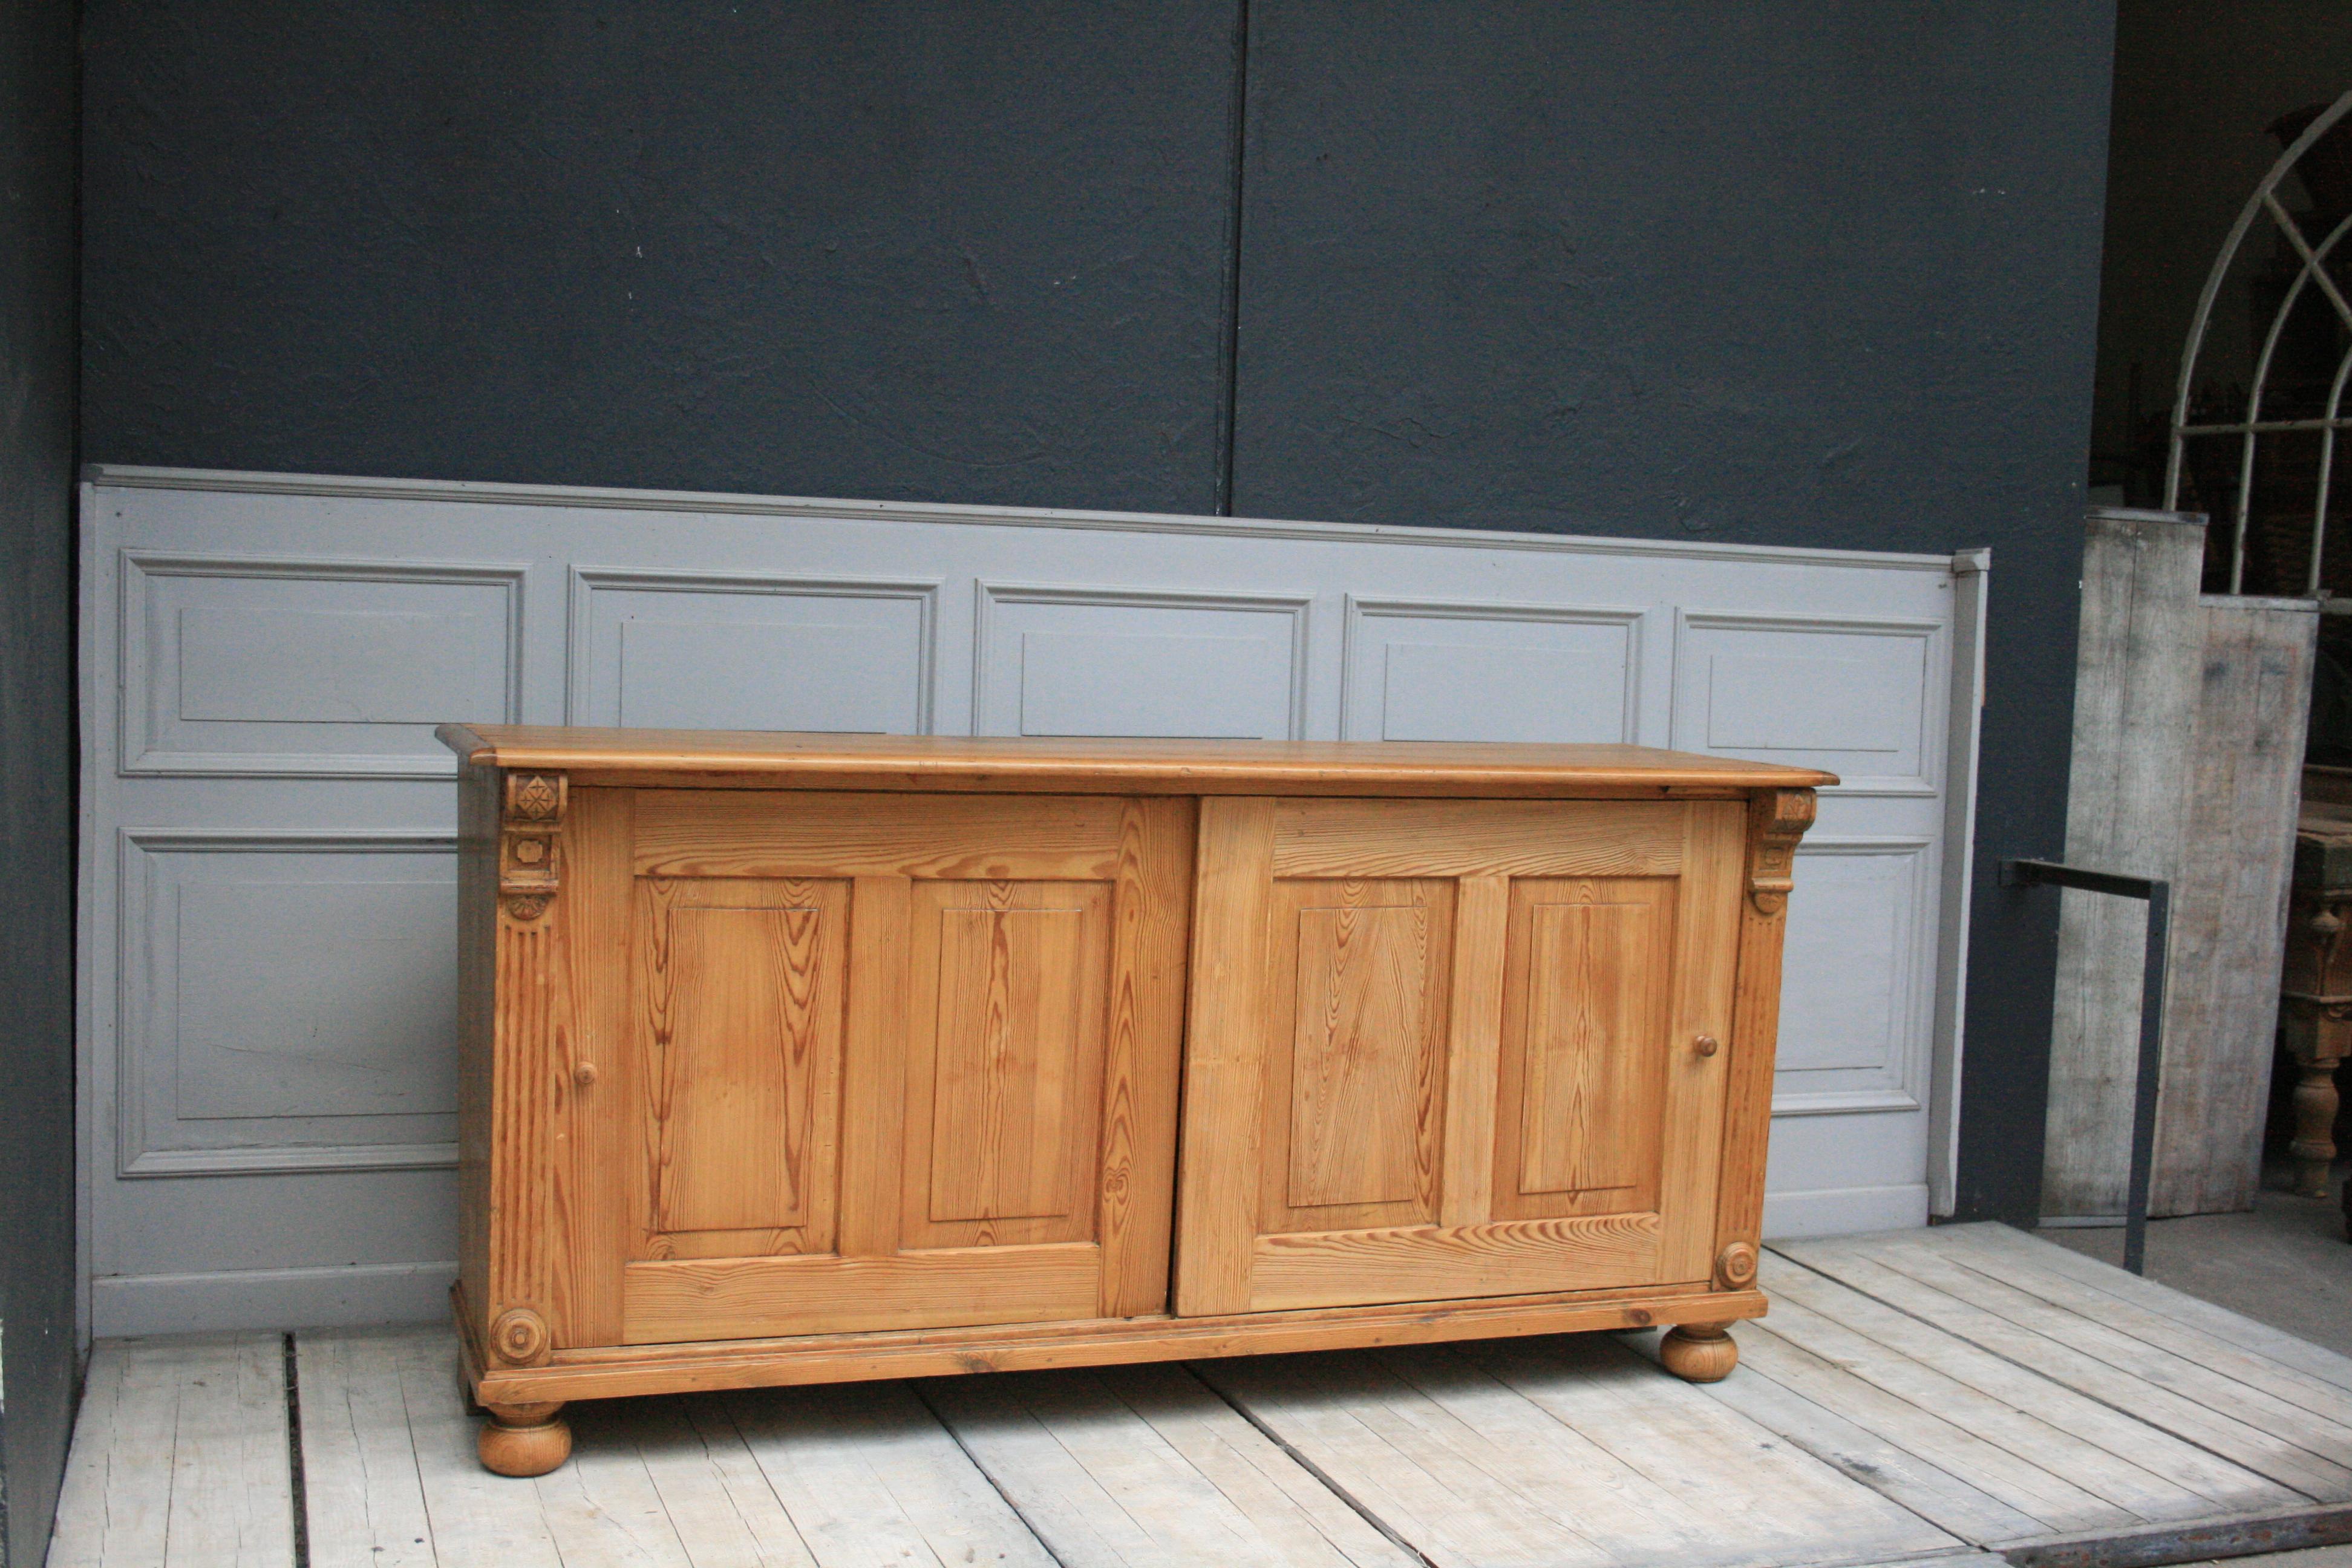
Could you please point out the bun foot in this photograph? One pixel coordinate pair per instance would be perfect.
(1699, 1352)
(523, 1439)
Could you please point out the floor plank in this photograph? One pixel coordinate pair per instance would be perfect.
(2150, 1472)
(2290, 1446)
(381, 1417)
(672, 1483)
(1147, 1465)
(180, 1457)
(1338, 1414)
(2328, 1434)
(2231, 1328)
(114, 1503)
(2054, 1504)
(871, 1479)
(711, 1489)
(1715, 1461)
(359, 1469)
(1925, 1488)
(1268, 1484)
(1467, 1467)
(2031, 1271)
(2194, 1345)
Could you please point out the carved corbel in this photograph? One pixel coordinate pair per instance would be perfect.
(528, 824)
(1776, 820)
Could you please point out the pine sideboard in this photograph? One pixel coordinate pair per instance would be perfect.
(799, 1058)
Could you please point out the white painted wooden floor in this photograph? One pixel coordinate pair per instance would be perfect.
(1927, 1395)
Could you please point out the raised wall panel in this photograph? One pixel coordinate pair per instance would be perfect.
(1432, 670)
(1087, 661)
(288, 1002)
(1853, 1014)
(1860, 698)
(698, 650)
(300, 667)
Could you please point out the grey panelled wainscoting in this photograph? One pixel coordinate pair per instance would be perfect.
(268, 875)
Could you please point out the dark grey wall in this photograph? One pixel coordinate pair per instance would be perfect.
(907, 249)
(38, 1362)
(1801, 271)
(1787, 272)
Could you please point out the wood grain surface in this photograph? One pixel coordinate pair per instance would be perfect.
(745, 758)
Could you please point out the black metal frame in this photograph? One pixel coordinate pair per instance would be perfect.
(2158, 893)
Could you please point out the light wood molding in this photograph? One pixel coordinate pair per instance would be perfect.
(1778, 819)
(712, 758)
(775, 1362)
(771, 1081)
(529, 842)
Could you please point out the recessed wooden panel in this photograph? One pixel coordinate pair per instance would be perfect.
(1359, 1054)
(743, 985)
(1008, 990)
(290, 667)
(1011, 1005)
(751, 651)
(1076, 661)
(1076, 683)
(1830, 691)
(1477, 671)
(779, 678)
(1584, 1024)
(1854, 1019)
(287, 1003)
(1356, 986)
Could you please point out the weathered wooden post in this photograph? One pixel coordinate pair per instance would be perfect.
(2190, 712)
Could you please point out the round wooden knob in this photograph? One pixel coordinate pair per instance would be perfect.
(1707, 1045)
(584, 1075)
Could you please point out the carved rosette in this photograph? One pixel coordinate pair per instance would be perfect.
(1776, 819)
(529, 824)
(519, 1336)
(1735, 1266)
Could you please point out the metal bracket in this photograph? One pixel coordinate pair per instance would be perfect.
(2158, 893)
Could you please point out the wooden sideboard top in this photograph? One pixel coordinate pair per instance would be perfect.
(784, 761)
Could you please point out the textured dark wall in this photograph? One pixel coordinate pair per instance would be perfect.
(873, 248)
(37, 764)
(1796, 271)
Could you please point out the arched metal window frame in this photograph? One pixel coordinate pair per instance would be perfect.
(2253, 427)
